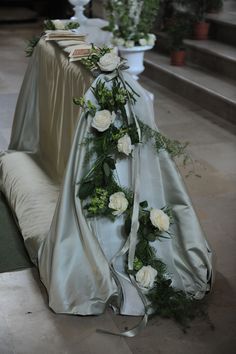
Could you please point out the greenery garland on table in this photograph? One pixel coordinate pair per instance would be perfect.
(49, 25)
(115, 133)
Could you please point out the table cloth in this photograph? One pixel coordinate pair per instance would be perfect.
(40, 176)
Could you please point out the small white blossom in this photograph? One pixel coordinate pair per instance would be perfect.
(102, 120)
(114, 51)
(118, 202)
(109, 62)
(118, 41)
(143, 41)
(58, 24)
(129, 44)
(151, 39)
(124, 145)
(159, 219)
(146, 276)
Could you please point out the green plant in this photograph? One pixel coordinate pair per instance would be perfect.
(197, 9)
(178, 30)
(131, 20)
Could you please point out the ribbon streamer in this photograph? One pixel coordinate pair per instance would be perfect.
(131, 242)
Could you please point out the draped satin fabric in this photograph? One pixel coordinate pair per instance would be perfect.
(46, 117)
(74, 256)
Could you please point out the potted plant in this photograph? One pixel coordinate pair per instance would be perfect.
(177, 31)
(197, 10)
(130, 22)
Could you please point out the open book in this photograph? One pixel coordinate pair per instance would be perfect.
(79, 51)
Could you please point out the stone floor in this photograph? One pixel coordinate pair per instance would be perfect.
(28, 326)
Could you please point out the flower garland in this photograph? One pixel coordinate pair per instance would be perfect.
(115, 134)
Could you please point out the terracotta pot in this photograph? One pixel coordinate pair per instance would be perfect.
(177, 57)
(201, 30)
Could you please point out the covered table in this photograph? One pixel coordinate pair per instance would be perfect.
(40, 175)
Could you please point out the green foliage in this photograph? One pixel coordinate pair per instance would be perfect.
(113, 99)
(178, 29)
(31, 45)
(148, 16)
(49, 25)
(91, 61)
(99, 202)
(131, 19)
(168, 302)
(87, 106)
(160, 142)
(71, 25)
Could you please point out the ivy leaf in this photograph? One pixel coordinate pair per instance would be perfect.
(127, 226)
(111, 162)
(106, 169)
(144, 204)
(151, 237)
(85, 190)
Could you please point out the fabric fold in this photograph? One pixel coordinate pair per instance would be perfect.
(74, 256)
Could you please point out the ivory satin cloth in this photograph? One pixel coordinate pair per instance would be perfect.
(39, 175)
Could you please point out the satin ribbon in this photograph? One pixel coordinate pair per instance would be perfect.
(130, 244)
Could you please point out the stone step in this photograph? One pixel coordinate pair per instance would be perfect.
(212, 92)
(212, 55)
(223, 27)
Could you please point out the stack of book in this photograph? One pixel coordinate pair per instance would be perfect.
(73, 43)
(63, 35)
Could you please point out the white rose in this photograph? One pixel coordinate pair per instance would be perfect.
(129, 44)
(102, 120)
(143, 41)
(160, 219)
(109, 62)
(59, 24)
(151, 39)
(124, 145)
(146, 276)
(118, 202)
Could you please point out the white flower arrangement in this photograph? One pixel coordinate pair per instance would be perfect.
(160, 219)
(59, 25)
(102, 120)
(124, 145)
(109, 62)
(146, 276)
(118, 203)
